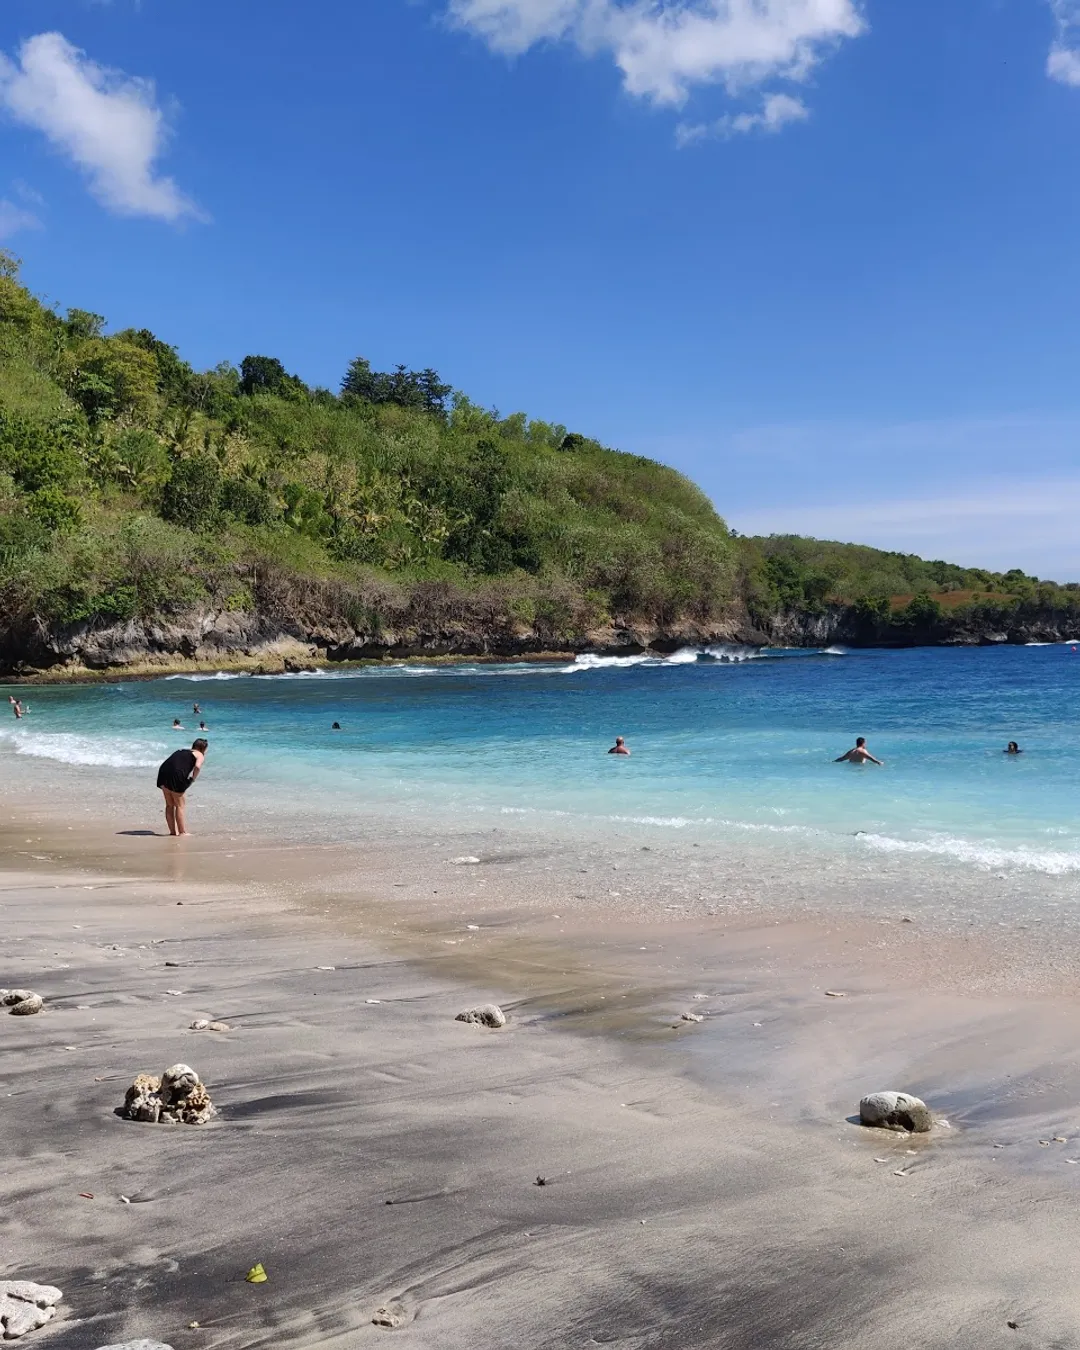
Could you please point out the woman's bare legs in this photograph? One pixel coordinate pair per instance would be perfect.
(174, 812)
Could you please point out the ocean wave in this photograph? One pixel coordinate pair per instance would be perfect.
(70, 748)
(723, 653)
(198, 679)
(1052, 862)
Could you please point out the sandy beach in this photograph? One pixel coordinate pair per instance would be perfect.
(705, 1184)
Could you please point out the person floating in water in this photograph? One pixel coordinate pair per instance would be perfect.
(177, 725)
(203, 726)
(858, 755)
(175, 775)
(619, 748)
(1013, 749)
(336, 726)
(195, 709)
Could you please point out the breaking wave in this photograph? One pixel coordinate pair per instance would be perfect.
(1052, 862)
(70, 748)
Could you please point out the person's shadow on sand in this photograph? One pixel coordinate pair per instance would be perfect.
(141, 834)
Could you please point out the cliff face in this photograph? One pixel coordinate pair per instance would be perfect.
(208, 637)
(849, 626)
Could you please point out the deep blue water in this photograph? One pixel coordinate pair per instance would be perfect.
(726, 748)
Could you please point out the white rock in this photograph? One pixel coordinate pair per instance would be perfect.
(487, 1015)
(896, 1111)
(692, 1017)
(25, 1306)
(137, 1345)
(459, 861)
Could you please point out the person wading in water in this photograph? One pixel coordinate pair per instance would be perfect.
(175, 776)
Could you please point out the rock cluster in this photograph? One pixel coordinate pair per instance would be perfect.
(487, 1015)
(21, 1002)
(25, 1306)
(203, 1025)
(896, 1111)
(178, 1097)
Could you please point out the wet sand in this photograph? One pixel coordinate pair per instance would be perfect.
(705, 1186)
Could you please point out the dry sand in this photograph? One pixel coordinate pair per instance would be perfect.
(704, 1185)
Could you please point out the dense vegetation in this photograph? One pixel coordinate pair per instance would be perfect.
(130, 482)
(133, 486)
(889, 593)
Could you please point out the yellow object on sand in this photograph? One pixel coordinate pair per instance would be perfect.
(256, 1275)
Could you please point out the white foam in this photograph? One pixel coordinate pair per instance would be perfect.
(70, 748)
(986, 856)
(590, 661)
(198, 679)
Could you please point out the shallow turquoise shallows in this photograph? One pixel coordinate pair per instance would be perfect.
(724, 742)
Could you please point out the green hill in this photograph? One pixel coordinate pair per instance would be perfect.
(135, 490)
(130, 482)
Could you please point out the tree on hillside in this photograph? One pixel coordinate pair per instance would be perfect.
(418, 389)
(266, 375)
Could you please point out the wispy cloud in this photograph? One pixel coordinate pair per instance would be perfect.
(1063, 63)
(777, 110)
(15, 218)
(109, 124)
(664, 50)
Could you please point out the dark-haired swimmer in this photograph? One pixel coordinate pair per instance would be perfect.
(1012, 749)
(858, 755)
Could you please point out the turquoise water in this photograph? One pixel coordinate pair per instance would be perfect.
(725, 749)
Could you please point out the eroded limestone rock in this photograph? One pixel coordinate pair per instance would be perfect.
(21, 1002)
(203, 1025)
(896, 1111)
(487, 1015)
(25, 1306)
(178, 1097)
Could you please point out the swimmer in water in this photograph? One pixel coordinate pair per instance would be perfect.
(177, 725)
(16, 706)
(203, 726)
(336, 726)
(1012, 749)
(619, 748)
(858, 755)
(196, 710)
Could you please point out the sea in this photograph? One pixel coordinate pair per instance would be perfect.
(733, 753)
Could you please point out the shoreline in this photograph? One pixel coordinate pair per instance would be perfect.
(704, 1185)
(301, 657)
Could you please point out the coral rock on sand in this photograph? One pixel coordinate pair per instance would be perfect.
(21, 1002)
(896, 1111)
(391, 1316)
(203, 1025)
(488, 1015)
(137, 1345)
(25, 1306)
(177, 1097)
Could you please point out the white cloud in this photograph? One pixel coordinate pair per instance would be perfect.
(664, 48)
(1063, 63)
(777, 111)
(108, 123)
(15, 218)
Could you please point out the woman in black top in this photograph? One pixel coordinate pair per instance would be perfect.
(174, 777)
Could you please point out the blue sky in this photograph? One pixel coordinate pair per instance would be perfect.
(821, 255)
